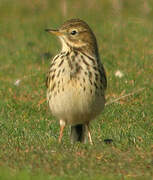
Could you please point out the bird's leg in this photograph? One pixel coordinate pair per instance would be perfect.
(89, 134)
(62, 125)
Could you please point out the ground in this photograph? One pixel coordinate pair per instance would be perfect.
(29, 146)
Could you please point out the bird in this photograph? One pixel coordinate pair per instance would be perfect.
(76, 81)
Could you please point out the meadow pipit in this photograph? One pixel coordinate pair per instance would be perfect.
(76, 80)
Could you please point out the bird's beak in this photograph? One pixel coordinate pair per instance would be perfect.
(54, 31)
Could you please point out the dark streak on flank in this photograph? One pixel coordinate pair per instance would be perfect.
(53, 77)
(62, 56)
(95, 85)
(52, 88)
(90, 81)
(61, 63)
(63, 70)
(78, 68)
(55, 58)
(52, 70)
(47, 81)
(67, 53)
(90, 75)
(95, 68)
(89, 57)
(96, 76)
(85, 73)
(58, 73)
(70, 64)
(52, 64)
(84, 61)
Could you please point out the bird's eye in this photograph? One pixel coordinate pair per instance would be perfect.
(73, 32)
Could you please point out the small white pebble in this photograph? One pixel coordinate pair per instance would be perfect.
(119, 74)
(17, 82)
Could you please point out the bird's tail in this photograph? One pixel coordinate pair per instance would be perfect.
(78, 133)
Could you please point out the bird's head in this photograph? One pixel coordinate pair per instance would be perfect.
(76, 34)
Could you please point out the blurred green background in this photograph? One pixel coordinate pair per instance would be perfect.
(28, 133)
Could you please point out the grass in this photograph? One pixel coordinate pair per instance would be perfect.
(28, 132)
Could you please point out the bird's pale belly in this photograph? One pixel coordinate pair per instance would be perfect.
(76, 105)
